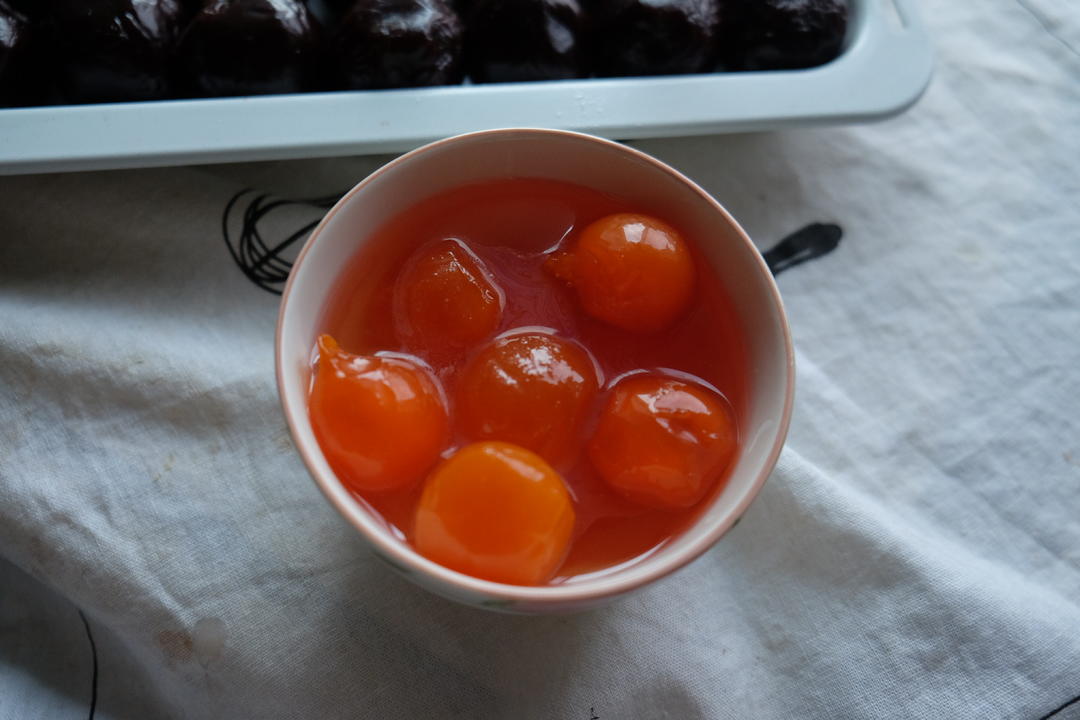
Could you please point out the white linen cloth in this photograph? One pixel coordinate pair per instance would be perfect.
(916, 554)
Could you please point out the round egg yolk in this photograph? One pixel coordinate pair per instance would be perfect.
(445, 299)
(663, 442)
(532, 389)
(380, 421)
(631, 271)
(495, 511)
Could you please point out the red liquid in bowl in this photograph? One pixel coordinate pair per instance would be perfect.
(512, 227)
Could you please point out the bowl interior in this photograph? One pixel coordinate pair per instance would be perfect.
(599, 164)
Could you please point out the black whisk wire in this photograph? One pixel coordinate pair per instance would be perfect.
(263, 261)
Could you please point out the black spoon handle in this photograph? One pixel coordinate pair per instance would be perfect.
(810, 242)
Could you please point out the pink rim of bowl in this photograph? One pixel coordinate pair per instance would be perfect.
(597, 163)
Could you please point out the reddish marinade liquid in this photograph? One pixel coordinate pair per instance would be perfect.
(512, 225)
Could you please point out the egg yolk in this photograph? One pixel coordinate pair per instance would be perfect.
(495, 511)
(532, 389)
(631, 271)
(445, 299)
(381, 421)
(663, 442)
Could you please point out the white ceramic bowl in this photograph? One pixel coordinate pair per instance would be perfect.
(595, 163)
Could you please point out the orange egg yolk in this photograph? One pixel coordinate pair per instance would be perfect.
(631, 271)
(663, 442)
(495, 511)
(381, 421)
(445, 299)
(532, 389)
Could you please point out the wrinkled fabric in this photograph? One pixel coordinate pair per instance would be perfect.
(916, 553)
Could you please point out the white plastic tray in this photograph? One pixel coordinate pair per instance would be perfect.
(883, 70)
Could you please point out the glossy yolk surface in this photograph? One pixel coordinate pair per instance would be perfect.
(381, 421)
(661, 441)
(511, 227)
(495, 511)
(532, 389)
(445, 299)
(631, 271)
